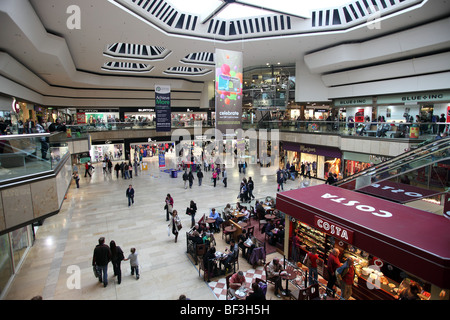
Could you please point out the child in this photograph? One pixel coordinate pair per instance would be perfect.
(76, 178)
(133, 262)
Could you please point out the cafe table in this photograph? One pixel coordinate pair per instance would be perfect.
(289, 274)
(269, 216)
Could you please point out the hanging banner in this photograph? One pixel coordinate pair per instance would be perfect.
(228, 91)
(162, 160)
(162, 108)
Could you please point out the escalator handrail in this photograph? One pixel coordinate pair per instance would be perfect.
(388, 163)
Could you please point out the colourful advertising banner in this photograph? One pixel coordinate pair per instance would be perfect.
(228, 91)
(162, 160)
(162, 108)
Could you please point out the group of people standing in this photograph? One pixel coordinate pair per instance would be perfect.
(125, 169)
(246, 190)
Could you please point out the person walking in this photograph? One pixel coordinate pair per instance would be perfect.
(175, 224)
(130, 195)
(185, 178)
(214, 177)
(76, 177)
(168, 206)
(134, 263)
(250, 188)
(199, 177)
(280, 180)
(44, 143)
(100, 260)
(117, 169)
(308, 170)
(191, 210)
(225, 177)
(116, 259)
(190, 179)
(87, 167)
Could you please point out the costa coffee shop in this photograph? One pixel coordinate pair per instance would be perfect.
(391, 246)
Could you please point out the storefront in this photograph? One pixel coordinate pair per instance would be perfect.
(114, 150)
(391, 246)
(97, 116)
(140, 115)
(426, 107)
(323, 160)
(140, 150)
(357, 162)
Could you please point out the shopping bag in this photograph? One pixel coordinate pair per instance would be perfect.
(168, 231)
(94, 268)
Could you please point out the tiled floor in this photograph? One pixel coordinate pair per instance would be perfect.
(58, 266)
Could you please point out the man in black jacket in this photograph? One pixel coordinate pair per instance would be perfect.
(130, 195)
(100, 260)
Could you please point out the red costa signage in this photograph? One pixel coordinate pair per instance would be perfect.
(333, 229)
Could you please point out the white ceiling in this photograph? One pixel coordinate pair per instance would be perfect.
(43, 55)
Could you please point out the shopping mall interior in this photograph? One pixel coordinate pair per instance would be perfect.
(338, 111)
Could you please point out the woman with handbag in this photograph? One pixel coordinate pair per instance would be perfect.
(168, 206)
(175, 224)
(191, 210)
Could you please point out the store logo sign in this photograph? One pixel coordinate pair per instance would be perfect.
(357, 205)
(333, 229)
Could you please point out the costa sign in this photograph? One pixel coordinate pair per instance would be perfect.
(359, 206)
(333, 229)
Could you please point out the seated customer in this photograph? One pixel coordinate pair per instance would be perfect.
(231, 255)
(227, 212)
(216, 216)
(257, 293)
(274, 269)
(279, 236)
(246, 216)
(195, 237)
(237, 280)
(209, 262)
(243, 237)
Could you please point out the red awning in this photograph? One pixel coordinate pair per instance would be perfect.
(413, 240)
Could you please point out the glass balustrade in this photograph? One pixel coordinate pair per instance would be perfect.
(27, 154)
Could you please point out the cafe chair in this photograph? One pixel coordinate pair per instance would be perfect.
(200, 250)
(251, 230)
(252, 215)
(309, 293)
(201, 267)
(313, 292)
(268, 280)
(262, 223)
(227, 281)
(235, 262)
(225, 233)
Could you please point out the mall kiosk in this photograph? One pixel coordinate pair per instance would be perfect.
(391, 244)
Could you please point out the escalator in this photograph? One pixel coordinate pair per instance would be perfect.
(416, 174)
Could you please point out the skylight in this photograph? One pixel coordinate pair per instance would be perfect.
(236, 9)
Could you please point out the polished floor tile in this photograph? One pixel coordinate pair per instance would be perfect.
(58, 266)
